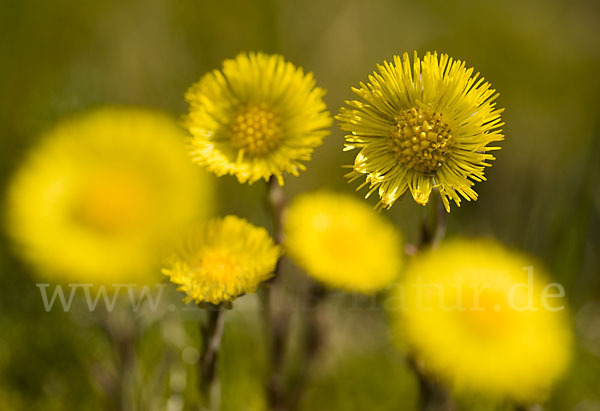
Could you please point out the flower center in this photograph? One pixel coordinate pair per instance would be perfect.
(256, 130)
(420, 139)
(219, 266)
(113, 202)
(489, 316)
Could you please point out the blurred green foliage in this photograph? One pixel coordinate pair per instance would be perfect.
(65, 56)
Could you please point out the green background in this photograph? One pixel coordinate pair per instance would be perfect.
(61, 57)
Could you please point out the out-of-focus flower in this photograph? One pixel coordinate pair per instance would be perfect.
(473, 314)
(102, 194)
(223, 259)
(258, 117)
(343, 242)
(422, 125)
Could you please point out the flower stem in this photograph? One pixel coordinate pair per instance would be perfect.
(312, 341)
(212, 333)
(432, 396)
(276, 199)
(276, 313)
(433, 230)
(433, 226)
(126, 351)
(122, 332)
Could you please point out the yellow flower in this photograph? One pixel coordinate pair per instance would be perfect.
(223, 259)
(102, 194)
(422, 125)
(342, 242)
(477, 316)
(257, 117)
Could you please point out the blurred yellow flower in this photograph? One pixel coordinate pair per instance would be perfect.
(480, 318)
(259, 116)
(342, 242)
(102, 194)
(422, 125)
(223, 259)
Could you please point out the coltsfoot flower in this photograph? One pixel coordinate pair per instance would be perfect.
(222, 260)
(342, 242)
(475, 315)
(258, 117)
(422, 124)
(102, 194)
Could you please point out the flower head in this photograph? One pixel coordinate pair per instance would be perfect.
(258, 117)
(422, 125)
(343, 242)
(223, 259)
(102, 194)
(474, 315)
